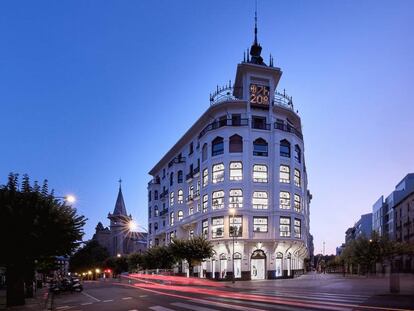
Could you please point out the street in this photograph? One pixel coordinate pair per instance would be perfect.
(310, 292)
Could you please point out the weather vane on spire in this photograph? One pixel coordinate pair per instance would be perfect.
(120, 182)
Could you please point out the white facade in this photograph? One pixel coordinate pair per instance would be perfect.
(247, 152)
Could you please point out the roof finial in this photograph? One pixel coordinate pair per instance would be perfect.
(120, 182)
(255, 24)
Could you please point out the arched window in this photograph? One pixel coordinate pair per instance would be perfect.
(298, 153)
(285, 148)
(259, 173)
(171, 218)
(156, 211)
(171, 178)
(260, 148)
(236, 171)
(180, 215)
(217, 146)
(205, 177)
(284, 175)
(204, 153)
(297, 178)
(217, 201)
(180, 177)
(180, 197)
(172, 198)
(218, 173)
(260, 200)
(284, 200)
(236, 198)
(236, 144)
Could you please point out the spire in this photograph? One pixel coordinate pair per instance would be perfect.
(256, 49)
(120, 205)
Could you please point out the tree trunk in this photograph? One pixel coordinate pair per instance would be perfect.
(15, 286)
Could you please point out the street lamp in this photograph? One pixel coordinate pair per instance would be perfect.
(232, 212)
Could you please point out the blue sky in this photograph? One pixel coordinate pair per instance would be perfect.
(91, 91)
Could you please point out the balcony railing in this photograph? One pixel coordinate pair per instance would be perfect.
(261, 126)
(163, 194)
(196, 171)
(164, 212)
(288, 128)
(220, 123)
(189, 176)
(283, 100)
(223, 93)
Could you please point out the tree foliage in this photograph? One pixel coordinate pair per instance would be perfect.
(91, 256)
(33, 226)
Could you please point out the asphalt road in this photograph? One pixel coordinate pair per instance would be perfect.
(138, 294)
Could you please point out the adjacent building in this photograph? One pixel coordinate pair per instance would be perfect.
(120, 238)
(241, 165)
(362, 228)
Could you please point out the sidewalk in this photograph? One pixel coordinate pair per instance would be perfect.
(37, 303)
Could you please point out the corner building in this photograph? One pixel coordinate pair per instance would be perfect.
(246, 152)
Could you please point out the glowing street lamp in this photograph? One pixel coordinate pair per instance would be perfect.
(70, 198)
(132, 226)
(118, 255)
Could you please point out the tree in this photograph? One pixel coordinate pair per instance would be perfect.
(33, 225)
(117, 264)
(193, 250)
(89, 257)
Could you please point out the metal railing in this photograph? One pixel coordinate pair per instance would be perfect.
(220, 123)
(288, 128)
(261, 126)
(283, 100)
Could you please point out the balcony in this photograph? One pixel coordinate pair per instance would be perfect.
(226, 122)
(196, 171)
(288, 128)
(261, 126)
(189, 176)
(283, 100)
(224, 93)
(163, 195)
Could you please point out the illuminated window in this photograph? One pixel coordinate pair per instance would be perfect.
(205, 177)
(191, 210)
(260, 147)
(259, 173)
(236, 198)
(260, 200)
(260, 224)
(204, 153)
(171, 218)
(217, 200)
(191, 233)
(205, 228)
(298, 153)
(180, 177)
(180, 197)
(284, 148)
(235, 226)
(284, 227)
(180, 215)
(235, 144)
(156, 212)
(217, 146)
(297, 228)
(297, 178)
(217, 227)
(297, 203)
(284, 174)
(236, 171)
(284, 200)
(171, 198)
(205, 203)
(218, 173)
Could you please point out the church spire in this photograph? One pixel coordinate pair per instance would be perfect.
(120, 205)
(256, 49)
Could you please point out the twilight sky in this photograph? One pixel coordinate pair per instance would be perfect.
(91, 91)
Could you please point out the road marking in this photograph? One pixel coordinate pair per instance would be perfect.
(191, 307)
(143, 296)
(160, 308)
(126, 298)
(86, 303)
(63, 308)
(133, 310)
(257, 304)
(108, 300)
(90, 296)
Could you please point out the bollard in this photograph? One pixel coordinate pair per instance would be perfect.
(394, 283)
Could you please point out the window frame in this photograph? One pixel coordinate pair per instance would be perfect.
(235, 201)
(260, 206)
(257, 143)
(283, 173)
(284, 206)
(215, 144)
(220, 199)
(215, 226)
(287, 225)
(260, 180)
(260, 224)
(234, 170)
(217, 175)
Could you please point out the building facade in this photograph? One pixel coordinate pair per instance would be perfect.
(120, 238)
(246, 152)
(362, 228)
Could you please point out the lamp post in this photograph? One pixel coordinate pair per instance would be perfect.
(232, 212)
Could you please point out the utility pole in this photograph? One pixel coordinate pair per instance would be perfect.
(323, 252)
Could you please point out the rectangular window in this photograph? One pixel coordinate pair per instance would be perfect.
(191, 148)
(171, 218)
(297, 228)
(180, 197)
(218, 173)
(205, 228)
(236, 171)
(236, 119)
(171, 198)
(205, 177)
(235, 226)
(259, 173)
(191, 210)
(284, 227)
(217, 227)
(260, 200)
(284, 200)
(284, 174)
(297, 178)
(205, 203)
(217, 200)
(297, 203)
(236, 198)
(260, 224)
